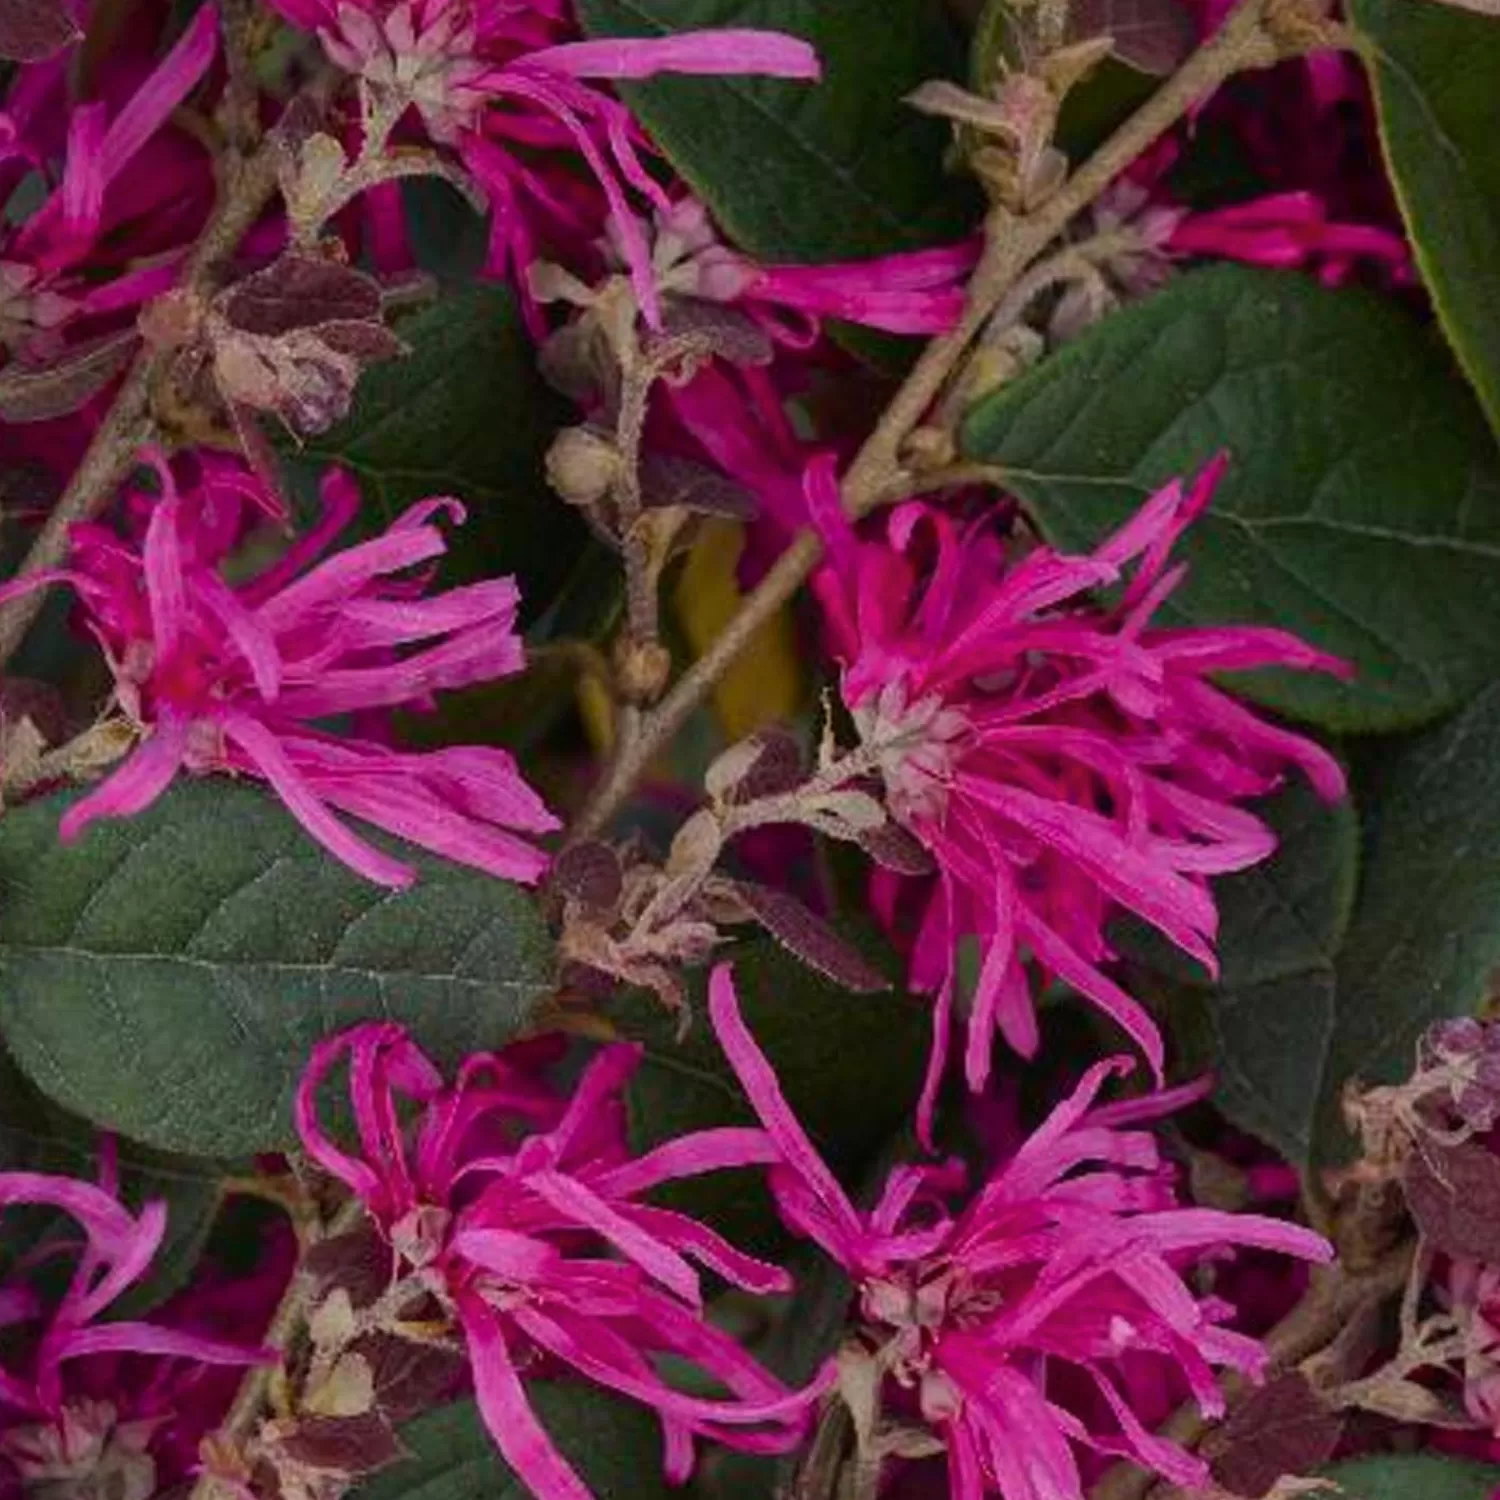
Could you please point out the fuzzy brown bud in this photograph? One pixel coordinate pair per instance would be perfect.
(641, 669)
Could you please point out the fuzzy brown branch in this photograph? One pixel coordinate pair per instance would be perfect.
(246, 187)
(1012, 244)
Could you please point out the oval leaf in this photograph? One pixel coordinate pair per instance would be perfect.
(1454, 1195)
(465, 414)
(1414, 1476)
(1295, 1017)
(614, 1444)
(840, 169)
(1434, 70)
(167, 976)
(1360, 510)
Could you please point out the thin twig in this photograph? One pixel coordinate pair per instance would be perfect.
(239, 110)
(286, 1323)
(1012, 244)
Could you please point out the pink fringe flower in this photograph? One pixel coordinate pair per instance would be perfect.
(1062, 760)
(497, 83)
(237, 679)
(523, 1215)
(1069, 1259)
(52, 1431)
(50, 266)
(915, 292)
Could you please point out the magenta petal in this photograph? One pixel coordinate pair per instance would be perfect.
(175, 77)
(268, 757)
(764, 1091)
(147, 1338)
(731, 50)
(136, 785)
(520, 1437)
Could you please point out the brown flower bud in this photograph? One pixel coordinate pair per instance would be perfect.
(641, 669)
(582, 464)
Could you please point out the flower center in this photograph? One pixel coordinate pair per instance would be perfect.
(27, 308)
(86, 1454)
(415, 56)
(915, 746)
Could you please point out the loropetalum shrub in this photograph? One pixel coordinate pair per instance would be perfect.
(749, 748)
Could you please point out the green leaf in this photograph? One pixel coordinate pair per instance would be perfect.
(850, 1065)
(1361, 508)
(1415, 1476)
(1434, 70)
(167, 976)
(837, 170)
(1298, 1014)
(464, 414)
(37, 1136)
(1283, 916)
(614, 1444)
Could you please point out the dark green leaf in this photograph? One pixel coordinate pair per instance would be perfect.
(1415, 1476)
(1361, 509)
(807, 172)
(1284, 916)
(851, 1066)
(614, 1444)
(448, 238)
(168, 975)
(1434, 72)
(37, 1136)
(464, 414)
(1298, 1016)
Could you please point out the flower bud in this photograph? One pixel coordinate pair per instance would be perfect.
(642, 670)
(582, 464)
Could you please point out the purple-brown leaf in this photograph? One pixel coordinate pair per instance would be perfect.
(590, 874)
(301, 291)
(40, 393)
(1284, 1428)
(359, 1262)
(810, 938)
(897, 849)
(779, 768)
(668, 480)
(1151, 36)
(344, 1445)
(1454, 1195)
(366, 342)
(409, 1377)
(715, 328)
(33, 29)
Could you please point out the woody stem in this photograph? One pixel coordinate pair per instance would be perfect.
(281, 1333)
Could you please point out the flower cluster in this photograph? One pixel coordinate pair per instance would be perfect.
(96, 1405)
(235, 679)
(1064, 760)
(209, 261)
(524, 1215)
